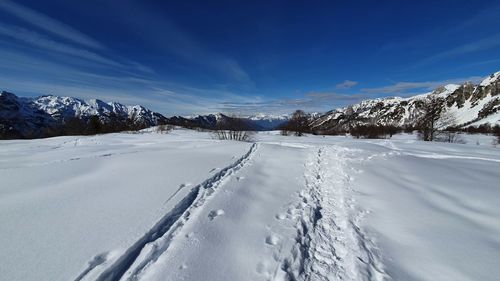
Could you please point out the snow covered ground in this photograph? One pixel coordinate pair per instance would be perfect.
(182, 206)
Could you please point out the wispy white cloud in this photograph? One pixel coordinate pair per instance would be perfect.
(464, 49)
(81, 66)
(325, 101)
(25, 74)
(49, 24)
(346, 84)
(468, 34)
(40, 41)
(405, 88)
(170, 38)
(488, 15)
(310, 102)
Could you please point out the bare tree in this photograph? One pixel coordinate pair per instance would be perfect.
(496, 132)
(431, 112)
(233, 129)
(164, 129)
(445, 131)
(298, 124)
(436, 123)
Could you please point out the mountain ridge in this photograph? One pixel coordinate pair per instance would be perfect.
(22, 117)
(470, 105)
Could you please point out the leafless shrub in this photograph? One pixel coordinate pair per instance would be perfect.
(436, 124)
(233, 129)
(285, 132)
(496, 132)
(164, 129)
(431, 111)
(233, 135)
(373, 131)
(298, 124)
(449, 136)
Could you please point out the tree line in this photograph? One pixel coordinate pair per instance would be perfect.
(434, 124)
(74, 126)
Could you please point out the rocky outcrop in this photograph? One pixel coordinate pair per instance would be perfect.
(467, 103)
(48, 115)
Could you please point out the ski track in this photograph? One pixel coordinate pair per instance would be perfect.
(156, 241)
(71, 159)
(329, 244)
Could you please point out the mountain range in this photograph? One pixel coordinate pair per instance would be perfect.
(35, 117)
(469, 104)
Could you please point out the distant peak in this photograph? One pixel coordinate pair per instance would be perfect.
(490, 79)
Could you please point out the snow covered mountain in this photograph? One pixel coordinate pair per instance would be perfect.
(470, 105)
(210, 121)
(259, 122)
(266, 121)
(30, 117)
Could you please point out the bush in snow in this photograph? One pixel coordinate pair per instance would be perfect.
(164, 129)
(298, 124)
(496, 132)
(233, 135)
(373, 131)
(233, 129)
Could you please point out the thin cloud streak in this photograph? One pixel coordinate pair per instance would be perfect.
(62, 79)
(49, 24)
(475, 46)
(38, 40)
(347, 84)
(310, 102)
(176, 41)
(405, 88)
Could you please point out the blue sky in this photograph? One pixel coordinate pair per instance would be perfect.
(187, 57)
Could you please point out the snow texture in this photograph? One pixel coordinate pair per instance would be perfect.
(183, 206)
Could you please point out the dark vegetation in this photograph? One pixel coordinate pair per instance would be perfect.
(94, 125)
(73, 126)
(233, 129)
(428, 123)
(374, 131)
(298, 124)
(435, 124)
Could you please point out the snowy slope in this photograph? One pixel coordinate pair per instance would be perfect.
(68, 200)
(67, 107)
(467, 103)
(183, 206)
(27, 117)
(433, 208)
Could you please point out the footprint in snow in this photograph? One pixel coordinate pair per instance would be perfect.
(215, 213)
(272, 239)
(265, 269)
(280, 216)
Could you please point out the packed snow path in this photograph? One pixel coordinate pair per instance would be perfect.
(157, 240)
(183, 206)
(330, 244)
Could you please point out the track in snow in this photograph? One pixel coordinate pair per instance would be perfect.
(329, 244)
(157, 240)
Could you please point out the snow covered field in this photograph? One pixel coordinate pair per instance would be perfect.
(182, 206)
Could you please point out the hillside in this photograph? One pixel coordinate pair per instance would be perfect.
(221, 121)
(47, 115)
(184, 206)
(469, 105)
